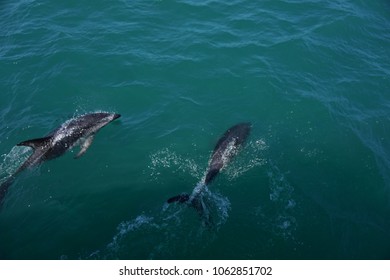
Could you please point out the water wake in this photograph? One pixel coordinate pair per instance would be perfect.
(175, 230)
(277, 216)
(249, 158)
(13, 160)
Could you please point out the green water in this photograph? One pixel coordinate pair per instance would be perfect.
(313, 78)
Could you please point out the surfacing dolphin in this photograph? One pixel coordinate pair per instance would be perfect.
(76, 131)
(225, 149)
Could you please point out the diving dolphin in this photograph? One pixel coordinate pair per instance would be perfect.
(225, 149)
(76, 131)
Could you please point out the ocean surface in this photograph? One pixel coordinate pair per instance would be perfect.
(312, 77)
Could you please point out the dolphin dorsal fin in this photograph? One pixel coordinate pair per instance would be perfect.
(35, 143)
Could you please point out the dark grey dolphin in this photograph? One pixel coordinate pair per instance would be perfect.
(225, 149)
(76, 131)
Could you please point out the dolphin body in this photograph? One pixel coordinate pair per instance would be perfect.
(225, 149)
(76, 131)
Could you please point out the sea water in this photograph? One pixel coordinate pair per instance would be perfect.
(311, 182)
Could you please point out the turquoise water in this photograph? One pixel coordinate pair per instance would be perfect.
(313, 78)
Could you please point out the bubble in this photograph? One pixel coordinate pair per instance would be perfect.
(13, 160)
(277, 216)
(124, 228)
(248, 157)
(167, 159)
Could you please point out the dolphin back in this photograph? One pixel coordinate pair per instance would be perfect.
(239, 131)
(234, 136)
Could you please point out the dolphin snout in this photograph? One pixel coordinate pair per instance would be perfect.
(116, 116)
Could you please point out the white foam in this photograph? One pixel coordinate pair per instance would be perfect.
(250, 156)
(167, 159)
(282, 221)
(13, 160)
(124, 228)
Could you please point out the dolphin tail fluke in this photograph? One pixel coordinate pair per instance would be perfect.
(4, 188)
(181, 198)
(203, 211)
(196, 203)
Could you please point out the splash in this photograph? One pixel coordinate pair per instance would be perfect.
(277, 216)
(176, 229)
(220, 206)
(183, 230)
(164, 235)
(127, 227)
(215, 206)
(250, 156)
(12, 160)
(168, 159)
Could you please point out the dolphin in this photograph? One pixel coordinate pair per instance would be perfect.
(76, 131)
(225, 149)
